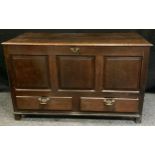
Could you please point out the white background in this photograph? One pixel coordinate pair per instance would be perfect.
(80, 14)
(77, 14)
(77, 140)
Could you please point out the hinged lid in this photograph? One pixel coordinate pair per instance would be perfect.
(79, 39)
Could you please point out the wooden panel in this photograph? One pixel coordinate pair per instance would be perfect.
(55, 103)
(122, 73)
(76, 72)
(98, 105)
(30, 71)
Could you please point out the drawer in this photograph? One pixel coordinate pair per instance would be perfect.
(109, 104)
(44, 103)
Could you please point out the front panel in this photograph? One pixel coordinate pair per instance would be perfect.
(76, 72)
(122, 72)
(30, 72)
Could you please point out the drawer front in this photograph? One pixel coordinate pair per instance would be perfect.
(109, 104)
(44, 103)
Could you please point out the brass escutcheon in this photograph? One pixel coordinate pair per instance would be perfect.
(75, 50)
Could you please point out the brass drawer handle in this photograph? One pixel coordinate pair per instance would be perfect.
(43, 100)
(109, 102)
(75, 50)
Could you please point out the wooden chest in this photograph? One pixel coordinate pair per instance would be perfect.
(95, 74)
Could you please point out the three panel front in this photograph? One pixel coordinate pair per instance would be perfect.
(77, 72)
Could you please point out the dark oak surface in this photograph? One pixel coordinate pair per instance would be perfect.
(82, 39)
(98, 105)
(54, 103)
(78, 74)
(30, 67)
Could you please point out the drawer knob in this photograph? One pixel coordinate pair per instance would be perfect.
(109, 102)
(75, 50)
(43, 100)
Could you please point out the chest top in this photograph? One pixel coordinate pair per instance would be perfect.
(79, 39)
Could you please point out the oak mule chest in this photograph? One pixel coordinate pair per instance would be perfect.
(78, 74)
